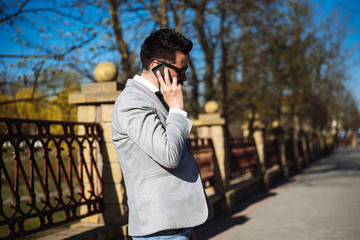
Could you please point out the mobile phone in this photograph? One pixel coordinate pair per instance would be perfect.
(160, 67)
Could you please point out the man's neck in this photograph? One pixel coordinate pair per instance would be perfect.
(149, 76)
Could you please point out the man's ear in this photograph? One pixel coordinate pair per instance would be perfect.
(154, 64)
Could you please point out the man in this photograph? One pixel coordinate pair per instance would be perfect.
(162, 180)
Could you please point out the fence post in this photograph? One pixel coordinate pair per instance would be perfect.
(211, 125)
(95, 103)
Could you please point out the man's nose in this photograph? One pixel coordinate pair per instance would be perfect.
(184, 78)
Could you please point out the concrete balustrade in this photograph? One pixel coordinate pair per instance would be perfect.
(95, 103)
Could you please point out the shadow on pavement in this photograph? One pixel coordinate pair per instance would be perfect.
(217, 225)
(220, 223)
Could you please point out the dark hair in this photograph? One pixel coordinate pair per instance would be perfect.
(162, 45)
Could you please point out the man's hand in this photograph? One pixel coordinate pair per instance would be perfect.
(172, 92)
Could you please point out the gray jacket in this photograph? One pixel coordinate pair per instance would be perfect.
(162, 180)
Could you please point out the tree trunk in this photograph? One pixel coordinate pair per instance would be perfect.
(123, 48)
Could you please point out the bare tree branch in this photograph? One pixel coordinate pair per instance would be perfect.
(164, 22)
(120, 40)
(151, 10)
(58, 56)
(15, 14)
(82, 71)
(160, 15)
(178, 18)
(207, 46)
(21, 11)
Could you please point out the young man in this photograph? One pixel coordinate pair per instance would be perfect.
(162, 180)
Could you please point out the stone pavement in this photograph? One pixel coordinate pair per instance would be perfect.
(321, 202)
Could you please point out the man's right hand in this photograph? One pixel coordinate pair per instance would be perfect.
(172, 92)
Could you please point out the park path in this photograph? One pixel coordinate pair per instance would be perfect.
(321, 202)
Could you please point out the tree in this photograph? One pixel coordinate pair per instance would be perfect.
(127, 58)
(206, 33)
(37, 31)
(271, 58)
(47, 102)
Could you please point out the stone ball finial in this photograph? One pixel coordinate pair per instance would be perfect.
(105, 71)
(211, 107)
(275, 124)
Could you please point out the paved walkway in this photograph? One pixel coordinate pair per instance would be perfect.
(322, 202)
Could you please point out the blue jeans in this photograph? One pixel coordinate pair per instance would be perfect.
(168, 234)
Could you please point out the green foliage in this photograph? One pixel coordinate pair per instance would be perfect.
(45, 102)
(291, 65)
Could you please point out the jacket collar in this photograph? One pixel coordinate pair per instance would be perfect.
(131, 83)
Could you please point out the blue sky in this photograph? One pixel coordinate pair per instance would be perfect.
(324, 7)
(351, 7)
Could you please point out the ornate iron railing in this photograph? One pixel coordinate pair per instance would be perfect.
(203, 152)
(243, 156)
(49, 174)
(271, 153)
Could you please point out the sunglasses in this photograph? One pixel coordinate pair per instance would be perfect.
(179, 71)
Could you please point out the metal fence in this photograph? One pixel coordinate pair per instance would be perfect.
(203, 152)
(243, 156)
(271, 153)
(49, 174)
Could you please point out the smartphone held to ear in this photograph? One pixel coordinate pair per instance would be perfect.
(160, 67)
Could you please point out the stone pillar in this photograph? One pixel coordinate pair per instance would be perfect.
(302, 139)
(95, 103)
(295, 136)
(353, 140)
(211, 125)
(307, 134)
(245, 129)
(319, 144)
(259, 137)
(325, 148)
(279, 133)
(312, 143)
(88, 114)
(330, 142)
